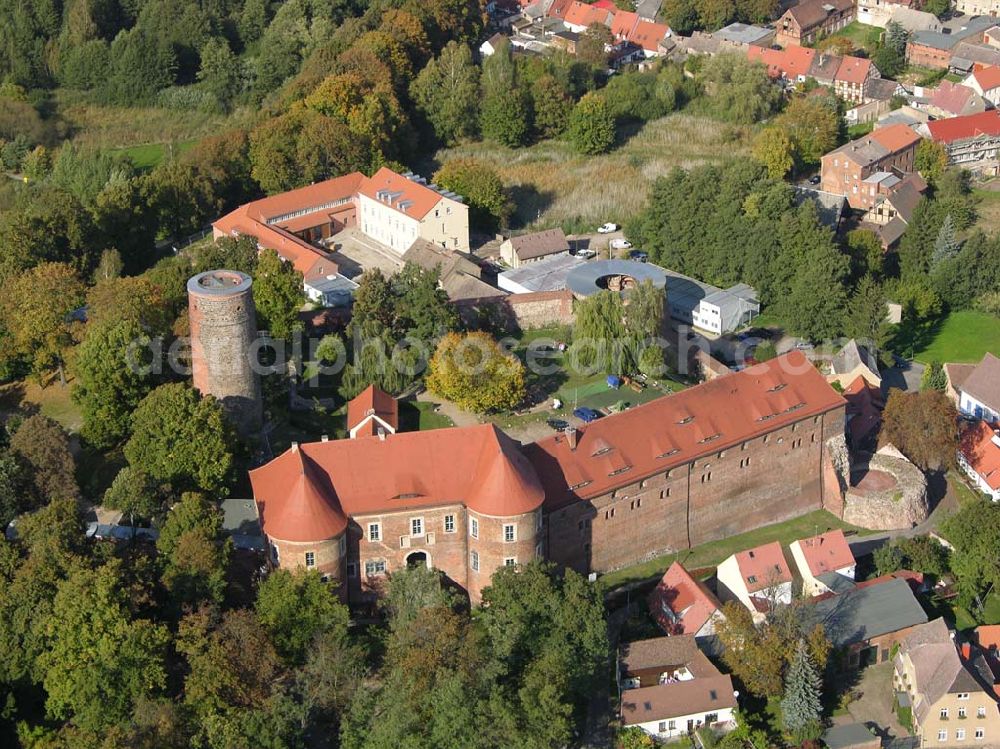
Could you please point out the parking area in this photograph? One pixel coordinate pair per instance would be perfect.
(356, 253)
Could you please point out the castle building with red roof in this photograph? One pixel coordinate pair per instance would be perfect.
(744, 450)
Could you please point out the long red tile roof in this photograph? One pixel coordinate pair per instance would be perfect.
(962, 128)
(982, 452)
(791, 62)
(676, 429)
(895, 137)
(404, 195)
(479, 466)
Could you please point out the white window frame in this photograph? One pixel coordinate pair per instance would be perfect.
(944, 713)
(959, 734)
(377, 535)
(512, 528)
(981, 711)
(962, 712)
(980, 734)
(449, 520)
(417, 526)
(943, 734)
(474, 560)
(510, 561)
(474, 527)
(375, 564)
(310, 559)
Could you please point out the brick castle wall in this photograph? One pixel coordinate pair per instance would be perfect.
(763, 481)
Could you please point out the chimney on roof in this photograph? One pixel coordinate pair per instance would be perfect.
(381, 434)
(966, 651)
(571, 437)
(295, 447)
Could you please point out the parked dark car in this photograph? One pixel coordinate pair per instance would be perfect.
(639, 256)
(558, 424)
(586, 415)
(814, 180)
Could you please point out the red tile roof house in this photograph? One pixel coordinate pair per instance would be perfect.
(979, 456)
(985, 82)
(954, 100)
(971, 142)
(853, 77)
(792, 65)
(371, 413)
(846, 170)
(581, 16)
(670, 689)
(758, 578)
(807, 21)
(825, 563)
(682, 605)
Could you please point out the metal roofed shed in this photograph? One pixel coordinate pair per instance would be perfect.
(741, 33)
(708, 307)
(850, 736)
(241, 521)
(549, 274)
(333, 290)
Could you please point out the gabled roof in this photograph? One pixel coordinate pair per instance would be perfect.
(895, 137)
(623, 23)
(690, 603)
(963, 128)
(791, 62)
(539, 244)
(983, 383)
(648, 35)
(827, 552)
(865, 612)
(676, 429)
(980, 445)
(665, 652)
(854, 70)
(371, 475)
(824, 67)
(864, 409)
(582, 14)
(373, 401)
(956, 99)
(852, 356)
(812, 13)
(763, 567)
(988, 78)
(407, 196)
(665, 701)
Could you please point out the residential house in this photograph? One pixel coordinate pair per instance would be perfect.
(979, 456)
(934, 49)
(807, 21)
(640, 33)
(458, 275)
(852, 78)
(682, 605)
(986, 83)
(565, 40)
(824, 68)
(825, 563)
(971, 141)
(491, 45)
(954, 100)
(879, 12)
(952, 698)
(397, 209)
(978, 7)
(581, 16)
(530, 248)
(758, 578)
(992, 37)
(892, 211)
(847, 169)
(975, 388)
(913, 20)
(867, 622)
(967, 56)
(371, 413)
(670, 689)
(864, 413)
(791, 65)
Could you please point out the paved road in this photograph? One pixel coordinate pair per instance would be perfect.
(906, 375)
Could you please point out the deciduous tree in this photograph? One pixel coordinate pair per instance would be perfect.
(923, 426)
(974, 531)
(44, 446)
(475, 373)
(481, 187)
(447, 93)
(773, 148)
(277, 294)
(591, 125)
(297, 607)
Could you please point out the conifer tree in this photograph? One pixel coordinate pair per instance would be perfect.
(801, 708)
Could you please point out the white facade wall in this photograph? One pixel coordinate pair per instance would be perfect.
(810, 585)
(978, 480)
(708, 317)
(972, 407)
(386, 225)
(671, 728)
(733, 588)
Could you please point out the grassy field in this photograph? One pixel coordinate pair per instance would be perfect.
(102, 126)
(712, 553)
(987, 210)
(861, 35)
(963, 336)
(552, 184)
(51, 399)
(148, 155)
(420, 416)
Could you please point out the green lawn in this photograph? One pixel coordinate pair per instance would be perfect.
(712, 553)
(862, 35)
(963, 617)
(987, 211)
(148, 155)
(420, 416)
(962, 490)
(963, 336)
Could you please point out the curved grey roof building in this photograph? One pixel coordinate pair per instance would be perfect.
(592, 277)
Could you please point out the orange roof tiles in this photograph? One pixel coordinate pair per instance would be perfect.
(763, 567)
(988, 78)
(827, 552)
(699, 421)
(582, 14)
(648, 35)
(623, 23)
(982, 452)
(373, 401)
(854, 70)
(479, 466)
(559, 8)
(864, 409)
(406, 196)
(689, 603)
(791, 62)
(895, 137)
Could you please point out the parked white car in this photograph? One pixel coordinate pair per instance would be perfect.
(586, 254)
(607, 228)
(620, 244)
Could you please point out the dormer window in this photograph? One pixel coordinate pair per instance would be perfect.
(623, 469)
(779, 386)
(669, 453)
(710, 438)
(686, 420)
(582, 484)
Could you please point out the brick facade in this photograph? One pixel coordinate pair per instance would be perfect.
(729, 492)
(844, 171)
(927, 56)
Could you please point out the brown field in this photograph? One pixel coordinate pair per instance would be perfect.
(551, 184)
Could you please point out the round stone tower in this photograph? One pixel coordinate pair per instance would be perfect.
(223, 324)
